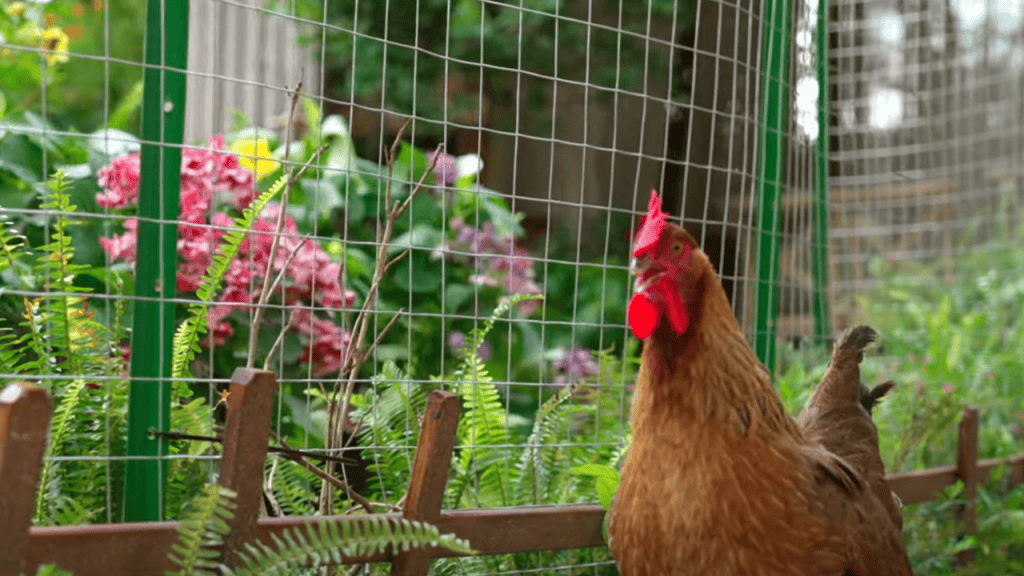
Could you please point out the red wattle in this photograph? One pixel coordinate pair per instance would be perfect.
(643, 317)
(675, 309)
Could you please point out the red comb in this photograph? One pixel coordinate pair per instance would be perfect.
(651, 226)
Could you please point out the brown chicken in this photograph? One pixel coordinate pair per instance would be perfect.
(719, 478)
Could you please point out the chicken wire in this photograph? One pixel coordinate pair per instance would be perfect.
(667, 96)
(927, 137)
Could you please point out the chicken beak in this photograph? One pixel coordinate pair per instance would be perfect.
(637, 267)
(644, 271)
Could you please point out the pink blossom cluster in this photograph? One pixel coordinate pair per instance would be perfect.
(495, 260)
(212, 178)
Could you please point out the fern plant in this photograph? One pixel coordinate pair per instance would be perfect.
(496, 463)
(58, 342)
(204, 526)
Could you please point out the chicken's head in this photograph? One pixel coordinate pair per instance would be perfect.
(665, 273)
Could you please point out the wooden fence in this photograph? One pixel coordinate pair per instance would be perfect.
(141, 549)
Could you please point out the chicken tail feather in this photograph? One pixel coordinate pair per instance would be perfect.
(870, 397)
(855, 339)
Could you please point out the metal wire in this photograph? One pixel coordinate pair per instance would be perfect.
(576, 152)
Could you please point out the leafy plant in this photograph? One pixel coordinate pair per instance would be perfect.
(203, 529)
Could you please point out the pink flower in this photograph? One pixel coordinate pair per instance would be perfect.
(328, 343)
(334, 297)
(123, 246)
(197, 165)
(947, 387)
(120, 182)
(919, 385)
(220, 329)
(223, 222)
(990, 374)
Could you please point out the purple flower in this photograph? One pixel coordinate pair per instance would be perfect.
(577, 364)
(445, 170)
(457, 343)
(494, 259)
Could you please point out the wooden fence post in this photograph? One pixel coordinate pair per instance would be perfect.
(967, 472)
(245, 450)
(429, 475)
(24, 422)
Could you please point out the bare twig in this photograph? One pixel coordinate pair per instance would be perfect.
(283, 450)
(355, 496)
(380, 336)
(354, 358)
(266, 291)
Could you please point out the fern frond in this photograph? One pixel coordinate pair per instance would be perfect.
(549, 421)
(189, 333)
(483, 422)
(65, 412)
(10, 242)
(388, 424)
(201, 530)
(328, 541)
(292, 487)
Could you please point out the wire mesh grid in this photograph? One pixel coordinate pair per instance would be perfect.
(554, 120)
(927, 138)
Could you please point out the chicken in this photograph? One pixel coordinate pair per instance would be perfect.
(719, 479)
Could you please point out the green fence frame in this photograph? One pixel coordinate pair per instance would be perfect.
(775, 109)
(163, 127)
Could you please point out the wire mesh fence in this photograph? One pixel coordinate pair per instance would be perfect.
(927, 134)
(367, 197)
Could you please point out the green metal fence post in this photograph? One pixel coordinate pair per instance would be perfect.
(822, 319)
(163, 126)
(774, 122)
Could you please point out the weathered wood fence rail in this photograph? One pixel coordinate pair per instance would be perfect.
(142, 548)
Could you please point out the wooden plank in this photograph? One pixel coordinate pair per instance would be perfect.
(967, 471)
(429, 475)
(245, 450)
(922, 485)
(925, 485)
(138, 548)
(24, 422)
(141, 548)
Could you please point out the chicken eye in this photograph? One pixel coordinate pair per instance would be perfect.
(677, 248)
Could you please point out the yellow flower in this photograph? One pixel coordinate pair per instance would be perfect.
(16, 9)
(56, 41)
(250, 148)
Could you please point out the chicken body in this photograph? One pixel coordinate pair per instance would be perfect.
(719, 478)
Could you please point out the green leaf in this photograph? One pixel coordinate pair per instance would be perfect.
(322, 197)
(341, 155)
(358, 263)
(21, 157)
(456, 295)
(421, 236)
(121, 117)
(410, 156)
(425, 276)
(505, 222)
(607, 481)
(312, 111)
